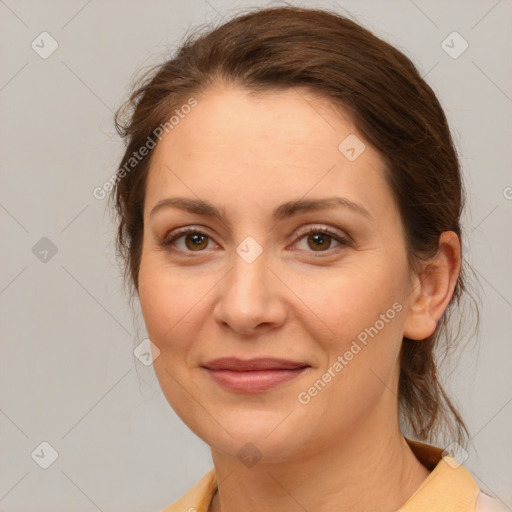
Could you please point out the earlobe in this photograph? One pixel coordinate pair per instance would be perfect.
(433, 288)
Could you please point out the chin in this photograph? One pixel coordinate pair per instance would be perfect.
(263, 436)
(249, 449)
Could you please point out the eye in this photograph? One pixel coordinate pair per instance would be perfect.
(194, 240)
(319, 239)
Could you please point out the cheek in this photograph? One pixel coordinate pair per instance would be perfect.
(169, 303)
(361, 318)
(166, 300)
(344, 302)
(176, 304)
(359, 350)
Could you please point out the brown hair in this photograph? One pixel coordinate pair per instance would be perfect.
(390, 104)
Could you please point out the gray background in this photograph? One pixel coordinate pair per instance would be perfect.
(68, 373)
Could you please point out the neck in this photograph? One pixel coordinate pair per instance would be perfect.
(367, 471)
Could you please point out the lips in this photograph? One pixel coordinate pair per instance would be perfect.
(240, 365)
(254, 375)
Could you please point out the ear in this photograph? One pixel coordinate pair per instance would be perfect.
(433, 288)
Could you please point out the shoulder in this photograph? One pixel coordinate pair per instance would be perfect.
(487, 503)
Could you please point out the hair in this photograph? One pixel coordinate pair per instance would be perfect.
(391, 106)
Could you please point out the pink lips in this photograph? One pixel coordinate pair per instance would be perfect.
(254, 375)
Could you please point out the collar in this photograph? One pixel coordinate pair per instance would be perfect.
(449, 487)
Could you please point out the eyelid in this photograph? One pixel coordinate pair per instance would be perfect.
(314, 228)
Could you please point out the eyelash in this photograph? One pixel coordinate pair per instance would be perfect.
(343, 241)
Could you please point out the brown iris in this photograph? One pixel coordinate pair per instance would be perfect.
(196, 241)
(321, 241)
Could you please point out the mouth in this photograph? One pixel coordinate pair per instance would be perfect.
(255, 375)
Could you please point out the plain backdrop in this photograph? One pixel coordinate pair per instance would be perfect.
(69, 377)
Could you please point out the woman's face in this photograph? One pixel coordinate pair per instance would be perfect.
(255, 283)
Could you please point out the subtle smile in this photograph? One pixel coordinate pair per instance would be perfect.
(255, 375)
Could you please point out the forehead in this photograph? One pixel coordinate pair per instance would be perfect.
(279, 142)
(226, 116)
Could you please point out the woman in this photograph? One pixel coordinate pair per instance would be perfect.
(289, 206)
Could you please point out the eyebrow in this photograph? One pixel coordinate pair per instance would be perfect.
(288, 209)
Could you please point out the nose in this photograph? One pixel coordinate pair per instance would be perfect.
(250, 299)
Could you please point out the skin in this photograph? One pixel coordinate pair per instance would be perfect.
(248, 154)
